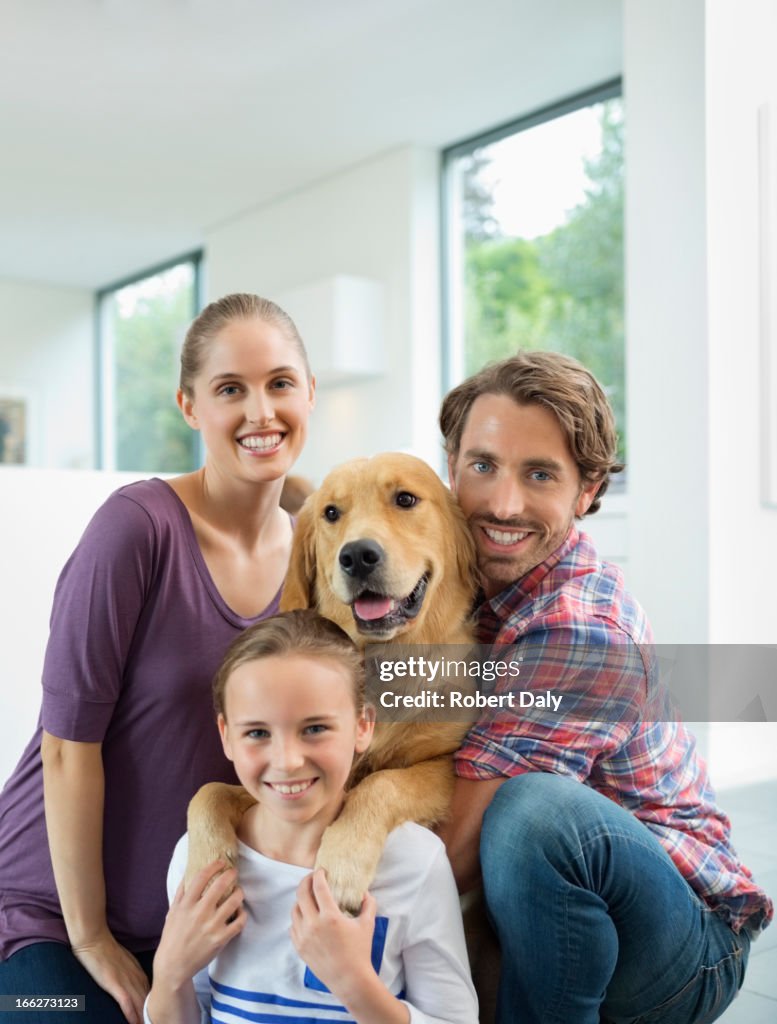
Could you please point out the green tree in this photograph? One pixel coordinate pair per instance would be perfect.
(562, 291)
(477, 203)
(150, 431)
(507, 300)
(583, 262)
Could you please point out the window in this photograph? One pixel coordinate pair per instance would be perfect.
(141, 326)
(534, 241)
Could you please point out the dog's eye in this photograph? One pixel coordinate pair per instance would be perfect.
(331, 513)
(405, 499)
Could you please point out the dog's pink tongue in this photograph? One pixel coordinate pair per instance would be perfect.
(372, 607)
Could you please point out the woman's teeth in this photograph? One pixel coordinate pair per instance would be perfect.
(259, 443)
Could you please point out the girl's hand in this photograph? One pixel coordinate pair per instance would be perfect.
(335, 947)
(198, 925)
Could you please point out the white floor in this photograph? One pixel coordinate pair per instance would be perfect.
(753, 812)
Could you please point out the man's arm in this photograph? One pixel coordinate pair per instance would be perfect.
(461, 831)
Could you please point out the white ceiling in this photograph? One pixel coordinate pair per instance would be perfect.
(130, 127)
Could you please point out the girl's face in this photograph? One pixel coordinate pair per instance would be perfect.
(291, 729)
(251, 400)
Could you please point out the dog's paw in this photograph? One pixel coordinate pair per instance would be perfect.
(350, 867)
(212, 821)
(203, 852)
(347, 886)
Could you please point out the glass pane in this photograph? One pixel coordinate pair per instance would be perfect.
(538, 229)
(143, 325)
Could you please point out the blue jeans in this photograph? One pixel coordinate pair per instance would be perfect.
(594, 920)
(50, 969)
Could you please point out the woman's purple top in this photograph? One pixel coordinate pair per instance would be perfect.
(138, 630)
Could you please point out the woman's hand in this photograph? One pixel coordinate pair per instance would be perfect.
(117, 971)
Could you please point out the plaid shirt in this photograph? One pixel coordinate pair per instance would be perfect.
(578, 633)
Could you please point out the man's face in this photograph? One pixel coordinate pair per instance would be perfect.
(518, 486)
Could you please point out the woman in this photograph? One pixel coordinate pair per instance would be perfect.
(166, 574)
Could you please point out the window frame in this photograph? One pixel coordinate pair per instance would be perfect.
(103, 359)
(450, 287)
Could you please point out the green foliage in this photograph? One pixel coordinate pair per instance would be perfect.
(151, 434)
(563, 291)
(477, 204)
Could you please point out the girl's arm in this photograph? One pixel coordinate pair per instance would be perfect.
(197, 927)
(337, 949)
(73, 788)
(438, 981)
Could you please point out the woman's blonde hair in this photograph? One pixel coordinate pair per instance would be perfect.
(217, 315)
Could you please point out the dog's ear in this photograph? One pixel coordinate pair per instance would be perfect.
(464, 547)
(301, 577)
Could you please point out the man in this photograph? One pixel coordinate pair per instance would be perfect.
(620, 898)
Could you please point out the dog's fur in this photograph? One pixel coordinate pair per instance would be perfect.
(381, 535)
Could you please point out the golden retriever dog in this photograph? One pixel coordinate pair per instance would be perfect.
(383, 550)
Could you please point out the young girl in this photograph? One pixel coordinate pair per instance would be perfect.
(292, 718)
(165, 576)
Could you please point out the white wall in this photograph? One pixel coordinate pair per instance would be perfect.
(702, 550)
(47, 356)
(666, 314)
(741, 74)
(378, 220)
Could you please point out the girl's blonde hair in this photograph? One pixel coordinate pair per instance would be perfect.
(302, 632)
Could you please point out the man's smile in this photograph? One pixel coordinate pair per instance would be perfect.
(505, 538)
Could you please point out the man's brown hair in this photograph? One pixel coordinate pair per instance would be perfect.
(555, 382)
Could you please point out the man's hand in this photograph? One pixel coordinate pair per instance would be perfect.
(117, 971)
(461, 830)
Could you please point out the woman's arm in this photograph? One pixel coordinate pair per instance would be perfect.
(73, 788)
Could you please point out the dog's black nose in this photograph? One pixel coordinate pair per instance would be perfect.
(359, 557)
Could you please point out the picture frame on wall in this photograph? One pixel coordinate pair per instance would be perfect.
(14, 429)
